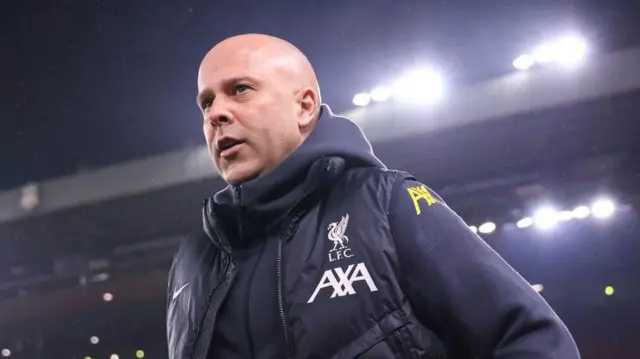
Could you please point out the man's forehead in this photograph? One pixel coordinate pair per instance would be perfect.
(219, 66)
(219, 60)
(212, 77)
(224, 55)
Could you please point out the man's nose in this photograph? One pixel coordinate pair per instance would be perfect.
(219, 115)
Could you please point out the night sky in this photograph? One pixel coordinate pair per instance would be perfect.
(87, 83)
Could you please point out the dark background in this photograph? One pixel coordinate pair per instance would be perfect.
(89, 83)
(86, 84)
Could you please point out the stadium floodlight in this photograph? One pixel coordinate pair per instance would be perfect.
(361, 99)
(566, 51)
(603, 208)
(570, 50)
(6, 352)
(546, 218)
(487, 228)
(423, 86)
(581, 212)
(380, 93)
(94, 340)
(524, 62)
(525, 222)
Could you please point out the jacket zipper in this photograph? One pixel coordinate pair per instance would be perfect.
(238, 191)
(283, 319)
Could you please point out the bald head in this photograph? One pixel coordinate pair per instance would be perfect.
(259, 92)
(268, 51)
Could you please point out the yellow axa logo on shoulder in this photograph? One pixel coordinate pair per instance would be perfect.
(418, 193)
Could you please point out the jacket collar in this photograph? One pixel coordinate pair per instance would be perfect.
(247, 213)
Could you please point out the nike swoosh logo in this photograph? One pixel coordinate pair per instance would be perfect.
(177, 292)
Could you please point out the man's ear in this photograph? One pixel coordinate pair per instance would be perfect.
(309, 102)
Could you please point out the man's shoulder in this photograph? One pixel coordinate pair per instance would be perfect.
(375, 174)
(375, 179)
(367, 184)
(194, 248)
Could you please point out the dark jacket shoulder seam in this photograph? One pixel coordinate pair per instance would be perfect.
(397, 181)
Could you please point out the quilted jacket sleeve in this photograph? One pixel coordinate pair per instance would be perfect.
(464, 288)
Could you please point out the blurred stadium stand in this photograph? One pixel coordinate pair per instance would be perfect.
(493, 151)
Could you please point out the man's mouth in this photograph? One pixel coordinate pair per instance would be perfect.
(227, 146)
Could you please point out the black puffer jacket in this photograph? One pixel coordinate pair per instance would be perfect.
(334, 256)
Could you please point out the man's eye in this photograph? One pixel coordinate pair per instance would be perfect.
(206, 104)
(238, 89)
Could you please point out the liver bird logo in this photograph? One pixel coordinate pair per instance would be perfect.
(336, 233)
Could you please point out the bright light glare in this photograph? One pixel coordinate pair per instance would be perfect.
(570, 50)
(115, 356)
(543, 54)
(565, 216)
(603, 208)
(581, 212)
(567, 51)
(423, 86)
(361, 99)
(525, 222)
(546, 218)
(473, 229)
(524, 62)
(380, 93)
(94, 340)
(6, 352)
(609, 290)
(487, 228)
(107, 297)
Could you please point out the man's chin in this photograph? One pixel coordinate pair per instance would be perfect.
(238, 176)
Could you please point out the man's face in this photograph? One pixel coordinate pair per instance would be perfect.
(249, 112)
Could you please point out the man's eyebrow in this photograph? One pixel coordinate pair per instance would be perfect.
(240, 79)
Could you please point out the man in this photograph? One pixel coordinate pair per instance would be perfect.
(316, 250)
